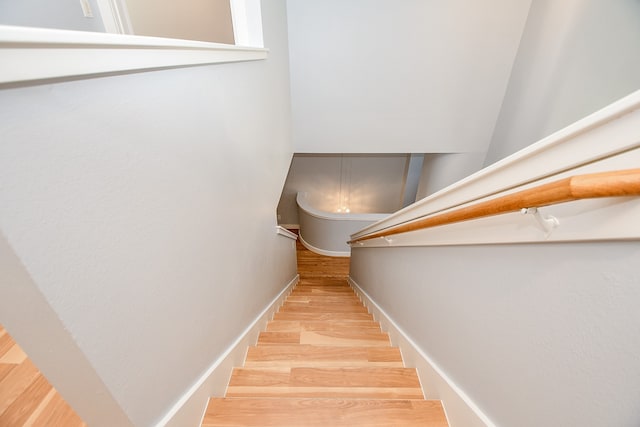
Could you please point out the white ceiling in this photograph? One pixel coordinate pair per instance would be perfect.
(383, 76)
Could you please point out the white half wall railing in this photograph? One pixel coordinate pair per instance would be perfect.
(516, 272)
(605, 141)
(326, 233)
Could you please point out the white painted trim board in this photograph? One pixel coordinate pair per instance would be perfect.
(286, 233)
(36, 53)
(322, 251)
(290, 226)
(303, 203)
(461, 411)
(189, 409)
(601, 137)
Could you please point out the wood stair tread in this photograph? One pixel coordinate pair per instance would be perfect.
(324, 299)
(323, 361)
(358, 377)
(290, 412)
(341, 382)
(326, 325)
(345, 337)
(294, 315)
(322, 356)
(322, 290)
(306, 308)
(326, 283)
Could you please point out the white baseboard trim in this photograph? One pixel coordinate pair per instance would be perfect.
(436, 384)
(290, 226)
(319, 251)
(189, 409)
(286, 233)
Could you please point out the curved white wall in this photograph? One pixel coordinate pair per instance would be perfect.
(373, 183)
(327, 233)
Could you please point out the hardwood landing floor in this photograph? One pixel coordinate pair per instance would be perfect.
(26, 397)
(323, 361)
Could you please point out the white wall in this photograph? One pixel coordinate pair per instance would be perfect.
(410, 76)
(412, 181)
(206, 20)
(536, 335)
(373, 182)
(142, 206)
(60, 14)
(441, 170)
(576, 56)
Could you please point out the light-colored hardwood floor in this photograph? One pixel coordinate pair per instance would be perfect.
(26, 397)
(323, 361)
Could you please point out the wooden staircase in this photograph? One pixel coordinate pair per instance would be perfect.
(323, 361)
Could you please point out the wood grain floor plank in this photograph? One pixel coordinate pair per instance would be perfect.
(340, 285)
(324, 413)
(16, 382)
(326, 377)
(324, 299)
(323, 361)
(41, 407)
(327, 325)
(15, 355)
(321, 316)
(19, 411)
(305, 308)
(26, 397)
(345, 338)
(324, 356)
(323, 292)
(350, 392)
(328, 283)
(5, 369)
(327, 308)
(260, 377)
(6, 343)
(315, 301)
(279, 338)
(58, 413)
(331, 283)
(354, 377)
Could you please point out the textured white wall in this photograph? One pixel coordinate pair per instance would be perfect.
(441, 170)
(410, 76)
(143, 208)
(576, 56)
(536, 335)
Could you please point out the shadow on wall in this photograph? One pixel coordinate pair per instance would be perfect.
(575, 57)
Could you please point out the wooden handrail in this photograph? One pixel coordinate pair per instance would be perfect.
(590, 186)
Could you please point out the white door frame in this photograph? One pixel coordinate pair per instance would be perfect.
(115, 16)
